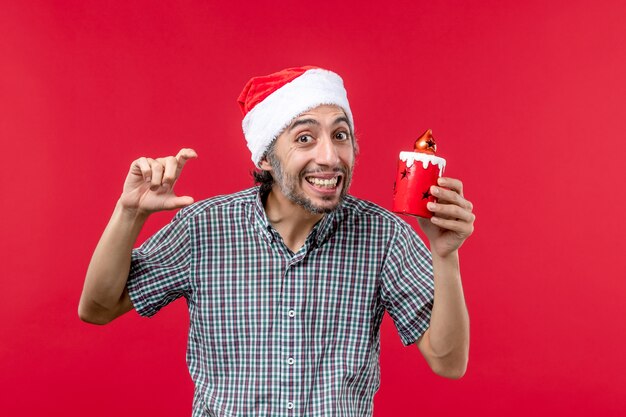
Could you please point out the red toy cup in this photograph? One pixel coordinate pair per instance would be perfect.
(416, 173)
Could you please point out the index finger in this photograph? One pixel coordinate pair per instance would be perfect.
(181, 158)
(184, 155)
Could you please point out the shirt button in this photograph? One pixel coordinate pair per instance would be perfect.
(291, 361)
(290, 405)
(292, 313)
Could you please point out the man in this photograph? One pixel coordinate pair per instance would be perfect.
(287, 283)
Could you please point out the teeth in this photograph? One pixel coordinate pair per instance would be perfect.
(323, 183)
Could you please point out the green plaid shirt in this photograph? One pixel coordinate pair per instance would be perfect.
(276, 333)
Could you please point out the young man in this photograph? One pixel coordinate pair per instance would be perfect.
(287, 283)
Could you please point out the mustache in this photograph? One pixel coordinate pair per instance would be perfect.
(340, 170)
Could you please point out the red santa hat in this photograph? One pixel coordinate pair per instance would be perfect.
(271, 102)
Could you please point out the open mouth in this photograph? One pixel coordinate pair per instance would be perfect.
(324, 183)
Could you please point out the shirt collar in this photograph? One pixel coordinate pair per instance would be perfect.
(325, 228)
(320, 233)
(259, 218)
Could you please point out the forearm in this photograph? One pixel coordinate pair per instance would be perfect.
(448, 335)
(108, 270)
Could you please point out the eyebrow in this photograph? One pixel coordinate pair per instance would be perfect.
(301, 122)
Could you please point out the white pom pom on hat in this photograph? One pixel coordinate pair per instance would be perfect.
(270, 103)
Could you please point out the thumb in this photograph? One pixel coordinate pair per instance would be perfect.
(177, 202)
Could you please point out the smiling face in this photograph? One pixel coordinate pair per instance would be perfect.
(312, 160)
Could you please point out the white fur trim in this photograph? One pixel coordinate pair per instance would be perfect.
(269, 118)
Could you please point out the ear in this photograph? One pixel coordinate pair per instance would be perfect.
(265, 165)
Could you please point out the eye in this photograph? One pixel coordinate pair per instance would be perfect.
(342, 136)
(304, 139)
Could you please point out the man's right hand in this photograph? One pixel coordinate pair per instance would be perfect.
(149, 186)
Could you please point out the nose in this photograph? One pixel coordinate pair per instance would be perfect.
(326, 152)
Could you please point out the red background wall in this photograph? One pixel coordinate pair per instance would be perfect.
(527, 103)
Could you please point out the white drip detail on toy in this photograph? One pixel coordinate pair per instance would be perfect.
(410, 157)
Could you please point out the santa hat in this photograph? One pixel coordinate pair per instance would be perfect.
(271, 102)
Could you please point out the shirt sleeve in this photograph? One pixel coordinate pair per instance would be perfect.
(159, 270)
(407, 287)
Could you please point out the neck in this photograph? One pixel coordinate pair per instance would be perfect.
(291, 221)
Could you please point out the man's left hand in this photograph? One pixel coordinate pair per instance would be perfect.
(452, 221)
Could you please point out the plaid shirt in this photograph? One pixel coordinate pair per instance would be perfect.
(276, 333)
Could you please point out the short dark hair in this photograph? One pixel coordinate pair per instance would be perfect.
(262, 177)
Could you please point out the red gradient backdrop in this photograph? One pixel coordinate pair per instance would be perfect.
(526, 100)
